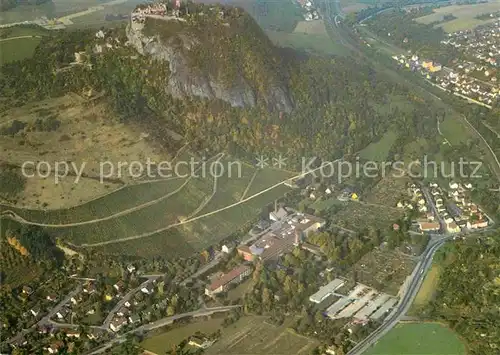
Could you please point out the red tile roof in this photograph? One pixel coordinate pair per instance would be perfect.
(227, 278)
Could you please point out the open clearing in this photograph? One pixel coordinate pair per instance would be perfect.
(465, 16)
(86, 134)
(163, 342)
(253, 335)
(419, 339)
(379, 150)
(314, 43)
(315, 27)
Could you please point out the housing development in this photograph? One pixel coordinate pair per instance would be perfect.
(474, 74)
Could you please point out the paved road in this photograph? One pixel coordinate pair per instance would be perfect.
(430, 202)
(406, 300)
(161, 323)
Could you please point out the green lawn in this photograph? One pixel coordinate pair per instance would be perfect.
(17, 49)
(378, 151)
(419, 339)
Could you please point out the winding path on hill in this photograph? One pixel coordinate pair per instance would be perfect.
(125, 185)
(249, 184)
(15, 216)
(143, 235)
(19, 37)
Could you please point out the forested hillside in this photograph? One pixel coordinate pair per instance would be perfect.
(468, 294)
(340, 104)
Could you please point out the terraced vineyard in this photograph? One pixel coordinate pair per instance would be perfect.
(172, 216)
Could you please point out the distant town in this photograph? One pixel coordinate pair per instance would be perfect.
(475, 76)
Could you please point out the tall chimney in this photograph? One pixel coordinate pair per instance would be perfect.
(297, 237)
(275, 205)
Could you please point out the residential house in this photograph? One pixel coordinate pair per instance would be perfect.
(130, 268)
(148, 289)
(123, 311)
(481, 223)
(245, 252)
(200, 342)
(72, 334)
(119, 286)
(89, 288)
(452, 227)
(117, 323)
(428, 226)
(55, 346)
(134, 318)
(26, 290)
(35, 311)
(62, 313)
(51, 297)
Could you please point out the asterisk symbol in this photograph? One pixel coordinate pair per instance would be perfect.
(280, 161)
(262, 162)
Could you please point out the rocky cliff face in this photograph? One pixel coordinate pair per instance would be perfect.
(186, 81)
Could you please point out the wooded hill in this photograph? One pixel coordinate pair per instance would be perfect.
(340, 104)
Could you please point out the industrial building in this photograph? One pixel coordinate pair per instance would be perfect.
(325, 291)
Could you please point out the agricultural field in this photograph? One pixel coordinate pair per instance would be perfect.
(419, 338)
(169, 216)
(163, 342)
(253, 335)
(465, 16)
(385, 271)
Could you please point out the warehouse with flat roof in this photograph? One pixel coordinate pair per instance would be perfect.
(384, 309)
(372, 306)
(325, 291)
(356, 305)
(337, 306)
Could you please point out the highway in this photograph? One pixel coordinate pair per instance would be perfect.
(406, 300)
